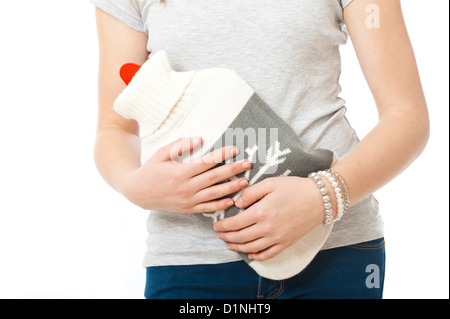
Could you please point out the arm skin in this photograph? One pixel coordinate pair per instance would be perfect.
(117, 147)
(387, 60)
(388, 63)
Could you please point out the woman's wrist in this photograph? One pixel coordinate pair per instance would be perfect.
(334, 192)
(131, 188)
(317, 203)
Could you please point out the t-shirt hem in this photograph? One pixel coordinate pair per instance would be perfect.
(158, 261)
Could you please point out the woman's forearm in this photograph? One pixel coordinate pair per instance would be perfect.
(117, 153)
(387, 59)
(384, 153)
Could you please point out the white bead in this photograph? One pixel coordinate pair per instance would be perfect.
(326, 198)
(337, 190)
(335, 184)
(323, 191)
(320, 183)
(332, 179)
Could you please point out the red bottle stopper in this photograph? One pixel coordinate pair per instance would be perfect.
(128, 71)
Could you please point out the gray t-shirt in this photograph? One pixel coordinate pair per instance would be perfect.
(289, 53)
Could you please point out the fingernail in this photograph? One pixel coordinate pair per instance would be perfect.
(243, 183)
(234, 151)
(246, 165)
(229, 203)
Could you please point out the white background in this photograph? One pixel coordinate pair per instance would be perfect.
(64, 233)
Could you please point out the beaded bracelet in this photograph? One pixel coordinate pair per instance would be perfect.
(337, 191)
(344, 186)
(326, 198)
(340, 190)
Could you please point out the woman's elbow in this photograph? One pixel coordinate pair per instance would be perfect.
(423, 129)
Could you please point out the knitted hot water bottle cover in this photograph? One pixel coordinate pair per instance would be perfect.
(217, 104)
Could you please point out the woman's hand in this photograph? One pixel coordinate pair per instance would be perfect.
(288, 208)
(165, 184)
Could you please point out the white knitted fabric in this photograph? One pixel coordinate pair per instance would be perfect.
(169, 105)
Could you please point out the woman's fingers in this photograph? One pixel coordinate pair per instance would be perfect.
(242, 236)
(240, 221)
(220, 174)
(212, 206)
(250, 240)
(220, 190)
(208, 161)
(268, 253)
(177, 148)
(255, 193)
(250, 247)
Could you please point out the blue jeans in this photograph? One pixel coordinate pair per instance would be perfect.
(351, 272)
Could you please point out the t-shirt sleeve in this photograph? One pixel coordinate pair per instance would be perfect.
(125, 11)
(344, 3)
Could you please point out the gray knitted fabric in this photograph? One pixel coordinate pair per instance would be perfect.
(275, 150)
